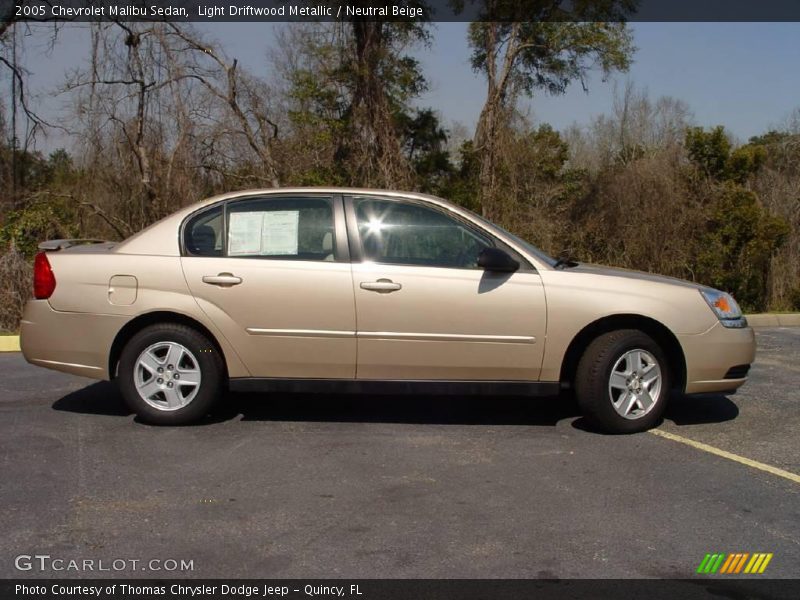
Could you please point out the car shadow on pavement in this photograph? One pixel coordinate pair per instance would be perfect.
(412, 409)
(101, 398)
(700, 410)
(684, 410)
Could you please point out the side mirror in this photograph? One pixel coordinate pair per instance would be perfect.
(494, 259)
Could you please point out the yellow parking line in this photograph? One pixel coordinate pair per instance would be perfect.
(729, 455)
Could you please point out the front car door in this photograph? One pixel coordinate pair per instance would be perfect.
(425, 310)
(273, 274)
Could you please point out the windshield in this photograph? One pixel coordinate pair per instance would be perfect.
(526, 245)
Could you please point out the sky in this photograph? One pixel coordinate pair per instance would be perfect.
(741, 75)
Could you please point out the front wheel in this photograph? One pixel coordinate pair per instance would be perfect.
(170, 374)
(622, 381)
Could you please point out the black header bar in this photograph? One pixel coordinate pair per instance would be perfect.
(401, 10)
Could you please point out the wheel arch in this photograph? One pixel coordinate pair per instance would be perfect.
(135, 325)
(655, 329)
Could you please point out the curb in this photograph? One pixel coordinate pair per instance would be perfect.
(10, 343)
(774, 320)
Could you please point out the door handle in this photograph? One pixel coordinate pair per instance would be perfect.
(222, 280)
(382, 286)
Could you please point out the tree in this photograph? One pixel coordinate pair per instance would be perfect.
(712, 152)
(638, 127)
(739, 243)
(709, 150)
(351, 86)
(165, 117)
(548, 51)
(741, 235)
(424, 145)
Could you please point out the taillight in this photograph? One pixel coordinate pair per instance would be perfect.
(44, 282)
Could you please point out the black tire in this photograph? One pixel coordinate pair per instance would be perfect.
(208, 360)
(594, 373)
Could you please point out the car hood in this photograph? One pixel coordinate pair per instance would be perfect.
(591, 269)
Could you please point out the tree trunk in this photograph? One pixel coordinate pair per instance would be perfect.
(486, 130)
(486, 143)
(378, 153)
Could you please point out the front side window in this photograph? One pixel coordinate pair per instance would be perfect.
(281, 228)
(412, 234)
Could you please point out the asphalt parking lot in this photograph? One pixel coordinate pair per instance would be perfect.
(324, 486)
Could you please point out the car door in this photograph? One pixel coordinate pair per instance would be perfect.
(425, 310)
(273, 274)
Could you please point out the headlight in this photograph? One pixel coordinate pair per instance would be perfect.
(725, 307)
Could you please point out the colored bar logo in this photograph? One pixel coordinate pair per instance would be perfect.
(733, 564)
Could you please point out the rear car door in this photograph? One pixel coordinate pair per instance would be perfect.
(425, 310)
(273, 274)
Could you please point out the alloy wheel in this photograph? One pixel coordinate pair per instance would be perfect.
(167, 376)
(634, 386)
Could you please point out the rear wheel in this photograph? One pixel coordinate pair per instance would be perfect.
(623, 381)
(170, 374)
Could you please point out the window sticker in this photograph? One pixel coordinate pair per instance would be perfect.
(244, 233)
(267, 233)
(279, 232)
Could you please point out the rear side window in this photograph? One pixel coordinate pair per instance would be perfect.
(203, 233)
(281, 228)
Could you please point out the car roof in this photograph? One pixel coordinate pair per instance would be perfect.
(319, 190)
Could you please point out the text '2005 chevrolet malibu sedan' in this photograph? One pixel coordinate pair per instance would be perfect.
(348, 290)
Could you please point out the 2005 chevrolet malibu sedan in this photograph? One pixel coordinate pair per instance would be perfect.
(348, 290)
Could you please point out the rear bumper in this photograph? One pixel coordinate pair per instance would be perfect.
(711, 356)
(76, 343)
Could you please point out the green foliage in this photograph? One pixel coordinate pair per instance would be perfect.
(524, 46)
(316, 176)
(33, 171)
(319, 106)
(794, 298)
(711, 152)
(351, 99)
(424, 142)
(574, 186)
(782, 150)
(462, 186)
(325, 93)
(44, 209)
(548, 152)
(745, 161)
(769, 138)
(549, 55)
(16, 274)
(43, 219)
(741, 238)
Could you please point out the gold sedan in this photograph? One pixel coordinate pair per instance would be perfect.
(350, 290)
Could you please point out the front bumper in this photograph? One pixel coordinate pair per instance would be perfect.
(76, 343)
(710, 357)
